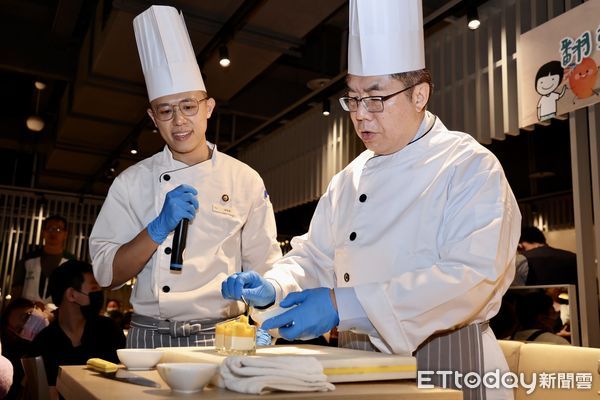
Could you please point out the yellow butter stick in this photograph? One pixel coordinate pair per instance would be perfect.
(100, 365)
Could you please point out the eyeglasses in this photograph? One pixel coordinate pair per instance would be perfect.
(188, 107)
(372, 104)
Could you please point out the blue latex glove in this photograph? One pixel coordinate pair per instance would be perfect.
(263, 338)
(313, 315)
(257, 291)
(179, 203)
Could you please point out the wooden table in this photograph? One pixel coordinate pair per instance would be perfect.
(77, 383)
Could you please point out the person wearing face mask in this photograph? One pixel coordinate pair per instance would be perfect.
(21, 322)
(231, 220)
(78, 332)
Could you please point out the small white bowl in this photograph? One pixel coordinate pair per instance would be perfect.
(187, 377)
(139, 359)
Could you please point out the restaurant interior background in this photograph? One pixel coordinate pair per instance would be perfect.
(69, 69)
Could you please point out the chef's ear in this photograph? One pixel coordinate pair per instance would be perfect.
(420, 96)
(151, 115)
(210, 106)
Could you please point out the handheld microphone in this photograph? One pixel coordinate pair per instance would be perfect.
(179, 245)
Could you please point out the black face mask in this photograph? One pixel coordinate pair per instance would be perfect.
(92, 310)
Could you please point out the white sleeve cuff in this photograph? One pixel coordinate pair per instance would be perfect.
(352, 315)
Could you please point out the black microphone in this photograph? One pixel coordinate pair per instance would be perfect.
(179, 245)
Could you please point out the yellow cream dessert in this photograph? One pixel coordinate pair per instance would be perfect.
(236, 337)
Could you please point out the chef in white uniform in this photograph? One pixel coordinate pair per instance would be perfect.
(232, 225)
(413, 244)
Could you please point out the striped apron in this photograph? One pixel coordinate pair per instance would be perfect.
(149, 333)
(460, 350)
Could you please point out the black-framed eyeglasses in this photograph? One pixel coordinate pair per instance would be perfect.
(188, 107)
(372, 104)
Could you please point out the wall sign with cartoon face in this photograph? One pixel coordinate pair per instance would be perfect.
(557, 65)
(582, 79)
(548, 78)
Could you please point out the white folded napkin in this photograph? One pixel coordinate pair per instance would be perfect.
(259, 375)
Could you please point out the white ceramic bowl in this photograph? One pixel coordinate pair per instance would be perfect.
(187, 377)
(139, 359)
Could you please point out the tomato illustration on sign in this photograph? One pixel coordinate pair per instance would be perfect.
(582, 78)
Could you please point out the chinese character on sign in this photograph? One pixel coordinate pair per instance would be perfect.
(566, 380)
(573, 51)
(547, 380)
(598, 38)
(583, 380)
(582, 47)
(565, 51)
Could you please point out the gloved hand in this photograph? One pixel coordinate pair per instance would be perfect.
(313, 315)
(263, 338)
(257, 291)
(179, 203)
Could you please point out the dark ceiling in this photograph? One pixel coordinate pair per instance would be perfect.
(286, 56)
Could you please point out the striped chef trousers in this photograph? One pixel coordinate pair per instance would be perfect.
(460, 350)
(149, 333)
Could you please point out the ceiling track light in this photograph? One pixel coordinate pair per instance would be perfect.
(111, 171)
(34, 122)
(473, 21)
(134, 148)
(224, 56)
(326, 107)
(39, 85)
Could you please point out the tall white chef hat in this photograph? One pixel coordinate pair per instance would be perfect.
(386, 37)
(166, 52)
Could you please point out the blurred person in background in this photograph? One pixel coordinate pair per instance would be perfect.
(21, 323)
(33, 271)
(547, 265)
(78, 332)
(112, 305)
(537, 318)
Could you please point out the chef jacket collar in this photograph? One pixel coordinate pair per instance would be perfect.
(414, 148)
(176, 164)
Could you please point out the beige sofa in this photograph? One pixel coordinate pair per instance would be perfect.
(562, 364)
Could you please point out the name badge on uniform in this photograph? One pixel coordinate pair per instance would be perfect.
(222, 209)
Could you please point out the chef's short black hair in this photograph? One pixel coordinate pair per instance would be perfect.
(67, 275)
(412, 78)
(531, 234)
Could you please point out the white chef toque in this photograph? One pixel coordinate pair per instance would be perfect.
(166, 52)
(386, 37)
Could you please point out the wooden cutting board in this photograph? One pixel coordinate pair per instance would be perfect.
(340, 365)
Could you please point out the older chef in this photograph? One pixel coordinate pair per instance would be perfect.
(417, 235)
(232, 226)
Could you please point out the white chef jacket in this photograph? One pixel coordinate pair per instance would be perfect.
(234, 229)
(426, 237)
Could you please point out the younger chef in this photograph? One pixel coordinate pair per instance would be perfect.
(232, 226)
